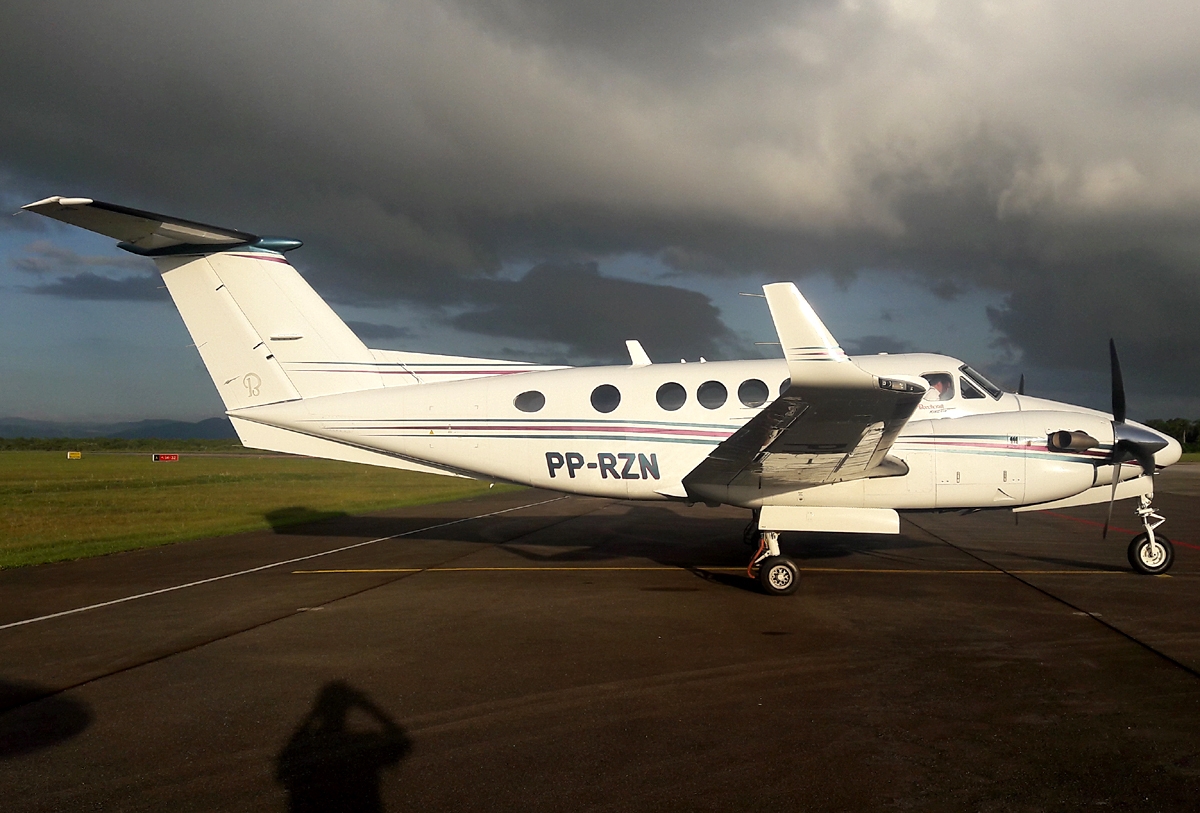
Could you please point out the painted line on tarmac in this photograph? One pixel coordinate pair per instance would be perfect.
(1096, 524)
(683, 569)
(212, 579)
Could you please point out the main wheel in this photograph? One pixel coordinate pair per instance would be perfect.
(1151, 559)
(778, 576)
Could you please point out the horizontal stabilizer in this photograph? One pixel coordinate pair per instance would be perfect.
(140, 232)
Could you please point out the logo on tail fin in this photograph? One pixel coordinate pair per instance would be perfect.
(252, 383)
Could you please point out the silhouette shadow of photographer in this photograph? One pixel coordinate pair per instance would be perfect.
(335, 758)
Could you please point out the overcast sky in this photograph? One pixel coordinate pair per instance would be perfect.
(1012, 183)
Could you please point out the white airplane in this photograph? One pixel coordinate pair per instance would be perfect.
(816, 441)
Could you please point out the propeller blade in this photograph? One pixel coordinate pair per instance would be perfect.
(1145, 459)
(1021, 385)
(1118, 384)
(1112, 499)
(1130, 441)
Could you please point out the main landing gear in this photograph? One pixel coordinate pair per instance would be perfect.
(777, 574)
(751, 534)
(1150, 553)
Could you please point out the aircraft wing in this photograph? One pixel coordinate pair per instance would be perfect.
(835, 422)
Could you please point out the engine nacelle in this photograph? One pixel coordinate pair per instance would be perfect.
(1068, 460)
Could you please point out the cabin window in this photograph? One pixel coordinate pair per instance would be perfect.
(941, 386)
(606, 398)
(671, 396)
(530, 401)
(969, 390)
(712, 394)
(783, 386)
(753, 392)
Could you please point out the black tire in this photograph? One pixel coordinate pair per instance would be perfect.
(778, 576)
(1151, 562)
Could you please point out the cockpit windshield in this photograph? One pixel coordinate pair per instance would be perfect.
(978, 378)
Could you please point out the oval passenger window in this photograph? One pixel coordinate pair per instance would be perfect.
(606, 398)
(753, 392)
(671, 396)
(783, 387)
(712, 394)
(530, 401)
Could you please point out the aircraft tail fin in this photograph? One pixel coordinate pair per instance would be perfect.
(254, 319)
(263, 332)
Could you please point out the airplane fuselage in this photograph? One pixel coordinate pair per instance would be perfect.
(636, 432)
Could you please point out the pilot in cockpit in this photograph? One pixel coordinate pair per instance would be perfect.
(941, 386)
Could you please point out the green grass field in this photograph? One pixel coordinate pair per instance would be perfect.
(52, 508)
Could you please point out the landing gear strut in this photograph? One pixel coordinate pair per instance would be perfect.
(777, 574)
(751, 534)
(1149, 552)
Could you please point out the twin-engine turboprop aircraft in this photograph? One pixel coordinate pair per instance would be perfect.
(816, 441)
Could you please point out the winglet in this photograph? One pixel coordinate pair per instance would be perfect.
(637, 356)
(802, 334)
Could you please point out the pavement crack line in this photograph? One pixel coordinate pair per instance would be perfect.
(1066, 603)
(291, 613)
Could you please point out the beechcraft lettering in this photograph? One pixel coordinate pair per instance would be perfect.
(841, 444)
(618, 466)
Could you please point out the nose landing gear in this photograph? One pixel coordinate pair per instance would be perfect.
(777, 574)
(1150, 553)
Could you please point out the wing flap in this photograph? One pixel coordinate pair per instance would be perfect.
(835, 422)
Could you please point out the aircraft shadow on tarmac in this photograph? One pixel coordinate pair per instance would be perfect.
(712, 541)
(297, 518)
(335, 759)
(1088, 565)
(33, 717)
(695, 541)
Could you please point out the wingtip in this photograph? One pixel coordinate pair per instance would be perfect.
(60, 200)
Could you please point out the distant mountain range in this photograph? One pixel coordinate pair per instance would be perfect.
(208, 429)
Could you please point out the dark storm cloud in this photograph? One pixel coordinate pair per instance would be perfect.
(595, 315)
(93, 286)
(870, 345)
(1050, 152)
(68, 274)
(44, 257)
(373, 330)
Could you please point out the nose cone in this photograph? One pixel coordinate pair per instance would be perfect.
(1169, 454)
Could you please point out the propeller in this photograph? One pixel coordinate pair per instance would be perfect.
(1021, 385)
(1130, 443)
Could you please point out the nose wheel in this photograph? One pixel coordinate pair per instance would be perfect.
(1150, 553)
(778, 575)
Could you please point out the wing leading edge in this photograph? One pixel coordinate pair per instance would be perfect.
(835, 422)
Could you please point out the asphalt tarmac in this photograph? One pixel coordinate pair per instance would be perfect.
(531, 652)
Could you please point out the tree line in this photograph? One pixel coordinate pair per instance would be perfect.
(117, 445)
(1185, 431)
